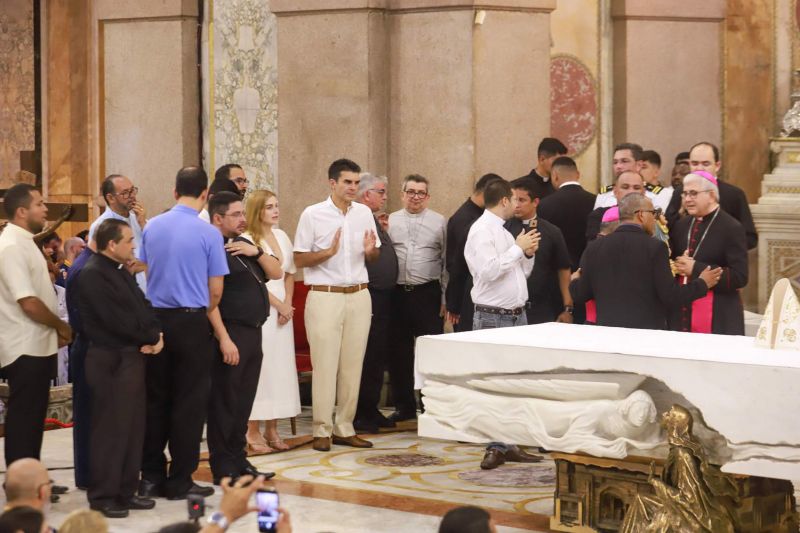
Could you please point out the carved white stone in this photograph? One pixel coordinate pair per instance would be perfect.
(745, 395)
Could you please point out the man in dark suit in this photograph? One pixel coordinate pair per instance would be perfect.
(630, 181)
(548, 284)
(457, 295)
(705, 156)
(709, 236)
(549, 150)
(568, 207)
(628, 275)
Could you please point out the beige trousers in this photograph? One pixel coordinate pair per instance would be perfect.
(337, 326)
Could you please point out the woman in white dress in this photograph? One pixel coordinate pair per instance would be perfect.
(278, 395)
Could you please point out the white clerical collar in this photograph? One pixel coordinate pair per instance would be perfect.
(569, 183)
(415, 215)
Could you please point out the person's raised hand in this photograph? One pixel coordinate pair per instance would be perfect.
(334, 247)
(711, 277)
(236, 497)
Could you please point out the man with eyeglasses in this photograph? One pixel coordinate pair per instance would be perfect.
(709, 236)
(628, 274)
(382, 278)
(705, 157)
(237, 322)
(418, 235)
(27, 484)
(628, 182)
(119, 194)
(234, 173)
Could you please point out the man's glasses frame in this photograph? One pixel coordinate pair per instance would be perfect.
(416, 194)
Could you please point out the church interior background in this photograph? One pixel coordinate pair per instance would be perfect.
(450, 89)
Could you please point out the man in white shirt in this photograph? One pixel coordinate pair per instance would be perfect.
(334, 239)
(119, 195)
(499, 263)
(31, 331)
(418, 237)
(650, 171)
(627, 157)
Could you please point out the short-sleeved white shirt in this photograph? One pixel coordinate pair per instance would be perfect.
(315, 231)
(23, 273)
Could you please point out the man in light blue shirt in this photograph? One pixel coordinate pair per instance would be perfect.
(119, 195)
(186, 263)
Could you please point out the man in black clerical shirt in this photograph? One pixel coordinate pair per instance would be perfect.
(548, 284)
(457, 295)
(549, 150)
(237, 322)
(372, 192)
(121, 328)
(706, 157)
(628, 275)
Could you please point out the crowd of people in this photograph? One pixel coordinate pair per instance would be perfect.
(184, 319)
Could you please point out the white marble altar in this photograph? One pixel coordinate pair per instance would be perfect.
(745, 397)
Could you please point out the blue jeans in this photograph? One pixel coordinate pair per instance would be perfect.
(484, 320)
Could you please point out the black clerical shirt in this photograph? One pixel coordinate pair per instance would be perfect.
(245, 299)
(383, 271)
(114, 312)
(459, 281)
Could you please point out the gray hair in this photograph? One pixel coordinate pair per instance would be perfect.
(368, 181)
(708, 186)
(72, 242)
(632, 203)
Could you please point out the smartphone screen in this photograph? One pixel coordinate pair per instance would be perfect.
(267, 503)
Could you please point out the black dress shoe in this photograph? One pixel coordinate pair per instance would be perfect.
(148, 489)
(195, 490)
(384, 422)
(135, 503)
(518, 455)
(365, 426)
(253, 471)
(59, 489)
(111, 510)
(492, 459)
(399, 416)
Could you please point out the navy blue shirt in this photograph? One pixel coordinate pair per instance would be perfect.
(72, 289)
(182, 252)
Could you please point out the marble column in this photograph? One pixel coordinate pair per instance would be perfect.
(149, 105)
(450, 89)
(668, 73)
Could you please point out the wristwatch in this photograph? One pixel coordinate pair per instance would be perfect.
(218, 519)
(569, 309)
(260, 252)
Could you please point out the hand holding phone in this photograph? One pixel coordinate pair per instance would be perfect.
(267, 503)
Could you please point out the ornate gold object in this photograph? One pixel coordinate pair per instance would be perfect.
(791, 120)
(683, 494)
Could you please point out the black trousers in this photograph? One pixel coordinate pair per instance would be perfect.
(233, 390)
(116, 378)
(29, 387)
(178, 383)
(467, 309)
(416, 312)
(81, 410)
(369, 395)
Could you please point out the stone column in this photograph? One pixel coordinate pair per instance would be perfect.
(149, 104)
(667, 73)
(450, 89)
(777, 219)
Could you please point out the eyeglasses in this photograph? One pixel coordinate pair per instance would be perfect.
(416, 194)
(240, 181)
(656, 212)
(692, 194)
(378, 191)
(127, 193)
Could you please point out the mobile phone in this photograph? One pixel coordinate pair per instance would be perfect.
(267, 503)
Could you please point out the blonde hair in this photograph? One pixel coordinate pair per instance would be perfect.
(256, 201)
(84, 520)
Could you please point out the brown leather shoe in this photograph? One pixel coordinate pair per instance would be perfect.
(517, 455)
(492, 459)
(354, 440)
(322, 444)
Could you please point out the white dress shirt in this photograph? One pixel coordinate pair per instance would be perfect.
(23, 273)
(419, 242)
(133, 222)
(498, 266)
(607, 199)
(315, 231)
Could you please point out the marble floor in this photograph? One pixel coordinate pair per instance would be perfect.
(405, 483)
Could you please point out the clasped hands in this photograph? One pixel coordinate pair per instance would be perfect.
(528, 241)
(153, 349)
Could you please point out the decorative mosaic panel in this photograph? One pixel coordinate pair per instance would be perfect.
(573, 103)
(245, 89)
(784, 262)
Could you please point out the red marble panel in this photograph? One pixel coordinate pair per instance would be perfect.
(573, 103)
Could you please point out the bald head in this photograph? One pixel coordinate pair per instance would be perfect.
(73, 247)
(26, 480)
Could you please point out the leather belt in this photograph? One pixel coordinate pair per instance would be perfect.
(499, 310)
(345, 290)
(181, 309)
(411, 288)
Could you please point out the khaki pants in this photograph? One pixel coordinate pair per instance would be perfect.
(337, 326)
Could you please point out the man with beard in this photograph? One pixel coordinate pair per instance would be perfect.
(237, 322)
(119, 195)
(32, 332)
